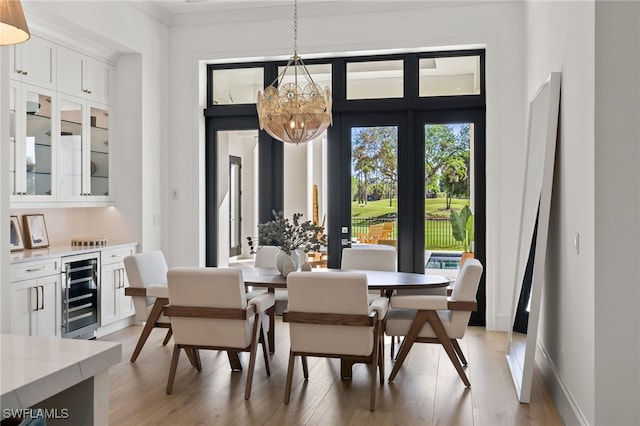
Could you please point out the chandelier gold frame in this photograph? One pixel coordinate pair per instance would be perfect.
(294, 112)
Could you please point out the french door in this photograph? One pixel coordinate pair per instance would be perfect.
(407, 171)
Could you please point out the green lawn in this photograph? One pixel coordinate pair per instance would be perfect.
(437, 236)
(380, 208)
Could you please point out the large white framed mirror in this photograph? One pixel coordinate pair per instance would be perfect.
(532, 241)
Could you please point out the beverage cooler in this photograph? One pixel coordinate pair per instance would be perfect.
(80, 286)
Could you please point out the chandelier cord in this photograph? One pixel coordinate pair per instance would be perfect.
(295, 28)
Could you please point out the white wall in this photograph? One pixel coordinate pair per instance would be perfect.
(344, 28)
(617, 213)
(589, 331)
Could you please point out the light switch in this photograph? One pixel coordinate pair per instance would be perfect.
(345, 229)
(576, 242)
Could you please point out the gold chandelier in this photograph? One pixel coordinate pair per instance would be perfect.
(13, 26)
(294, 112)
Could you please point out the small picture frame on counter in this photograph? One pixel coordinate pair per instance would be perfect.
(35, 229)
(17, 243)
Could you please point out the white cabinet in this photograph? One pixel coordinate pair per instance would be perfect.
(34, 62)
(35, 298)
(32, 154)
(114, 305)
(83, 76)
(83, 151)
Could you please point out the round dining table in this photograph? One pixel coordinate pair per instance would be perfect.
(385, 281)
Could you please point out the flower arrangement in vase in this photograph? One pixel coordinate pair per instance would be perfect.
(288, 236)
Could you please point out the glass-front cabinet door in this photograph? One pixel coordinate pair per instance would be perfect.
(32, 165)
(84, 151)
(71, 148)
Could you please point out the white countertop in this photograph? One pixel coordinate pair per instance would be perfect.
(61, 250)
(35, 368)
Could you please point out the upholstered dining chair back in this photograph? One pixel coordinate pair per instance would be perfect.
(266, 257)
(145, 269)
(464, 290)
(373, 260)
(329, 293)
(209, 288)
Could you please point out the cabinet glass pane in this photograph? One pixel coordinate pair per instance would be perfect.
(375, 79)
(450, 76)
(38, 143)
(70, 148)
(99, 151)
(237, 86)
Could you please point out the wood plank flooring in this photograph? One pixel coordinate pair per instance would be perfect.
(427, 390)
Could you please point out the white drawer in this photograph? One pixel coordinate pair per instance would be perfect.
(115, 255)
(28, 270)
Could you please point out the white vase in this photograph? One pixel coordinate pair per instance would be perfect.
(282, 257)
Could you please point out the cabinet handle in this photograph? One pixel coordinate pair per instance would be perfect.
(37, 298)
(42, 298)
(24, 73)
(122, 276)
(36, 269)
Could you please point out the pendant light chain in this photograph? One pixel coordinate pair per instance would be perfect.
(295, 28)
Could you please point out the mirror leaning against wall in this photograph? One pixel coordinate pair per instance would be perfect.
(532, 241)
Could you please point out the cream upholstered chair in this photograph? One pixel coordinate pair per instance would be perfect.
(208, 308)
(147, 275)
(329, 316)
(266, 257)
(373, 260)
(368, 259)
(436, 319)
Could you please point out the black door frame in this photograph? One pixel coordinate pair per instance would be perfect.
(456, 116)
(270, 176)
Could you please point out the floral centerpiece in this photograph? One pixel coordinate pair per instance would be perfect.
(289, 235)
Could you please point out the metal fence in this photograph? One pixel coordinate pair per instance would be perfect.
(437, 233)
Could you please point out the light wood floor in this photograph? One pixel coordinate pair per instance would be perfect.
(427, 390)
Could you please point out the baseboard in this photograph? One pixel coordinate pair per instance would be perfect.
(562, 397)
(115, 326)
(502, 322)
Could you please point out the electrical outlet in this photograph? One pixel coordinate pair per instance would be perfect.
(345, 229)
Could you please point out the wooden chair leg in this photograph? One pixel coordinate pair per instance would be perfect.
(194, 357)
(156, 310)
(305, 367)
(265, 351)
(374, 367)
(257, 326)
(393, 347)
(167, 337)
(439, 330)
(456, 346)
(381, 355)
(287, 388)
(271, 312)
(416, 326)
(173, 368)
(234, 360)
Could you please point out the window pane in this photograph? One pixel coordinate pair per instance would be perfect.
(374, 184)
(320, 73)
(237, 86)
(450, 76)
(375, 80)
(448, 187)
